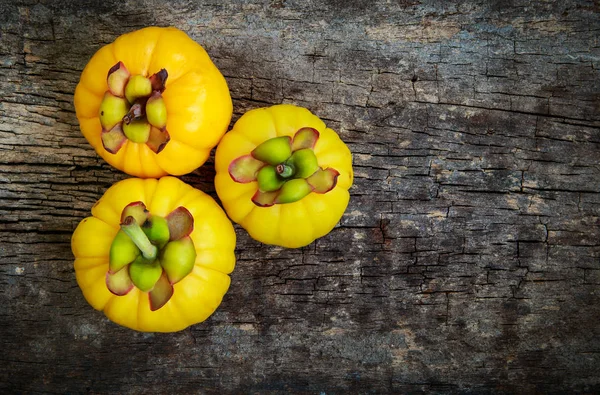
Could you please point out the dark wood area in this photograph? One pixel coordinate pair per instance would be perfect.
(468, 260)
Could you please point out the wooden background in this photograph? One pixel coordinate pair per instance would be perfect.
(468, 260)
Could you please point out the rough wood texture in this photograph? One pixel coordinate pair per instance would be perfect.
(468, 260)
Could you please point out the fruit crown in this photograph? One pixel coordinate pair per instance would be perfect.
(151, 253)
(133, 109)
(286, 169)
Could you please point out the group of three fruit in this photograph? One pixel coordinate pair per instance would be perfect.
(156, 253)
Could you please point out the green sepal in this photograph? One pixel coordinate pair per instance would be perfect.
(157, 230)
(178, 258)
(268, 179)
(123, 251)
(274, 151)
(137, 131)
(144, 273)
(305, 163)
(156, 111)
(293, 190)
(112, 110)
(137, 86)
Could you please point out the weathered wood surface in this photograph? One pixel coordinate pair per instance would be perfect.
(467, 261)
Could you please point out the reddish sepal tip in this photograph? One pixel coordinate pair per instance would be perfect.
(135, 210)
(265, 199)
(323, 181)
(119, 283)
(113, 140)
(305, 138)
(161, 293)
(158, 139)
(159, 80)
(180, 222)
(245, 168)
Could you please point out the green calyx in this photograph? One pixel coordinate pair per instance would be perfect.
(133, 109)
(151, 253)
(286, 169)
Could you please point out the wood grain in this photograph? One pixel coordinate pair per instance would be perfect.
(468, 260)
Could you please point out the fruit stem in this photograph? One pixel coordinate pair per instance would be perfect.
(284, 171)
(137, 235)
(136, 111)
